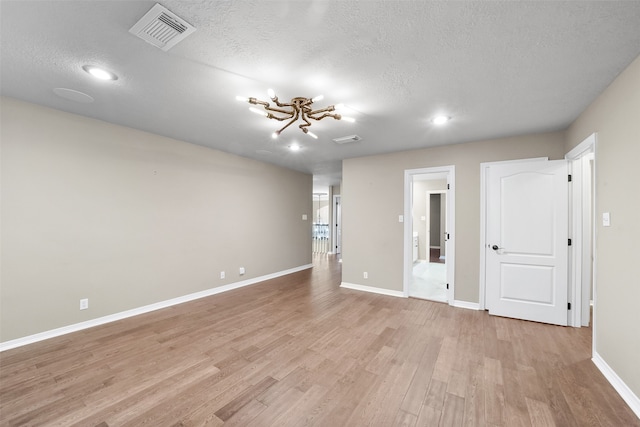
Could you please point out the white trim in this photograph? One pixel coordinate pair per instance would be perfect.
(372, 289)
(30, 339)
(585, 146)
(484, 169)
(579, 192)
(451, 226)
(336, 223)
(623, 390)
(466, 304)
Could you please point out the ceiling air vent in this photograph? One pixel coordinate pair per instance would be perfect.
(161, 28)
(347, 139)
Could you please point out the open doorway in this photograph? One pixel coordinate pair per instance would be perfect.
(320, 230)
(429, 225)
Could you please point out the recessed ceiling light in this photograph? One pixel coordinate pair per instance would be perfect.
(99, 73)
(440, 120)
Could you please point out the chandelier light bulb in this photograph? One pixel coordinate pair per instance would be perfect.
(338, 106)
(294, 147)
(271, 93)
(317, 98)
(312, 135)
(274, 135)
(255, 110)
(348, 119)
(242, 98)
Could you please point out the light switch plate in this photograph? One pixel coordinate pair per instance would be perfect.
(400, 218)
(606, 219)
(304, 217)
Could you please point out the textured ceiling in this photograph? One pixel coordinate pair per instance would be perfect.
(498, 68)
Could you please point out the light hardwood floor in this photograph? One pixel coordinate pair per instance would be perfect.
(299, 350)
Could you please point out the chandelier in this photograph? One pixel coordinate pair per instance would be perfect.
(298, 109)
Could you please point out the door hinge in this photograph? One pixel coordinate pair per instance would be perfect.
(447, 286)
(569, 178)
(568, 306)
(569, 242)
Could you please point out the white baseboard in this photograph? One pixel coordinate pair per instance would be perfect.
(19, 342)
(623, 390)
(467, 305)
(372, 289)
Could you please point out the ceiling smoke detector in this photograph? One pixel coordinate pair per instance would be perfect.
(162, 28)
(347, 139)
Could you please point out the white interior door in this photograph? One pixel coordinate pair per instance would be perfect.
(527, 241)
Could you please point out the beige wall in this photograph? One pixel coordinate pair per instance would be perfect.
(127, 218)
(373, 192)
(615, 117)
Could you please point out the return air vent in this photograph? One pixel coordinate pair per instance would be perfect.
(347, 139)
(162, 28)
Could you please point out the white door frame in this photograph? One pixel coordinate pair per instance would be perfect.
(484, 170)
(583, 247)
(337, 225)
(408, 226)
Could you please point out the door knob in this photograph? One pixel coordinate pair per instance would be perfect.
(495, 247)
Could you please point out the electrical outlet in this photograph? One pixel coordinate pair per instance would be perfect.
(222, 274)
(365, 275)
(241, 271)
(84, 303)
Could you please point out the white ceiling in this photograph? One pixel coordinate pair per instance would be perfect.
(497, 68)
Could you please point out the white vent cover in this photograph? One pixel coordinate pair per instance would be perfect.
(347, 139)
(161, 28)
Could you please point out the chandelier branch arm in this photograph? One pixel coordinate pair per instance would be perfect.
(280, 119)
(322, 110)
(306, 124)
(255, 101)
(281, 104)
(293, 120)
(279, 110)
(335, 116)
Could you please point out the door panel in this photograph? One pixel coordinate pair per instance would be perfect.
(527, 227)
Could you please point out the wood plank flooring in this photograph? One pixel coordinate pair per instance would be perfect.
(299, 350)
